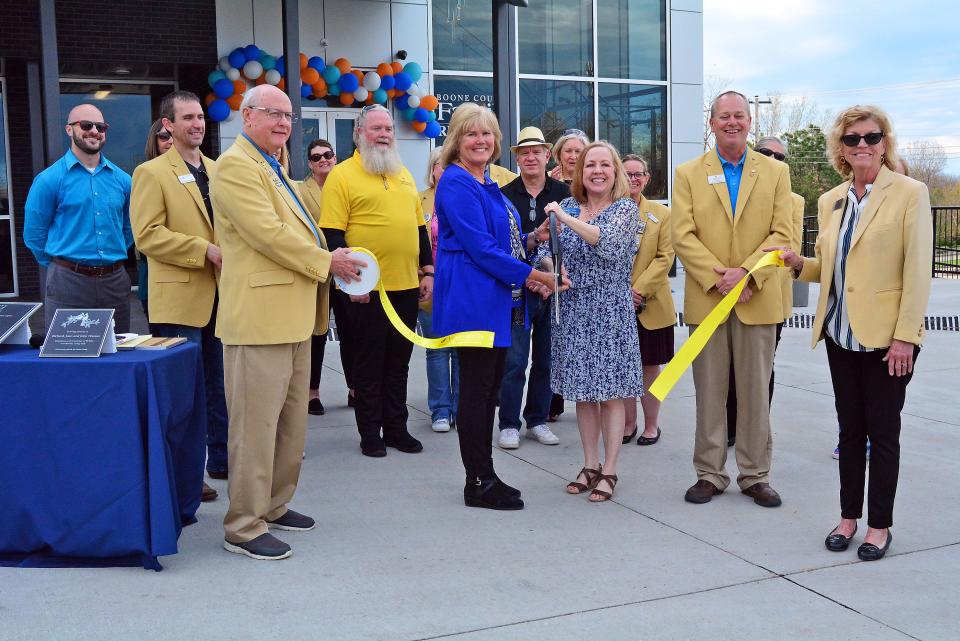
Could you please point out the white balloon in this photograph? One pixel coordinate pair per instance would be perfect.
(361, 94)
(413, 102)
(272, 77)
(233, 73)
(252, 69)
(371, 81)
(416, 90)
(225, 63)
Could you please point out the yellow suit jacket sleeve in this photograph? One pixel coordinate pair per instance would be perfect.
(698, 261)
(917, 257)
(649, 280)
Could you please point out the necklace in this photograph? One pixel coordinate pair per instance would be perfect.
(591, 213)
(469, 171)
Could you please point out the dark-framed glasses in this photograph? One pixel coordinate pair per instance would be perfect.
(327, 155)
(276, 114)
(852, 140)
(771, 153)
(87, 125)
(533, 210)
(637, 175)
(164, 135)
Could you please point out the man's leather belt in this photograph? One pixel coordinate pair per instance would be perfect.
(89, 270)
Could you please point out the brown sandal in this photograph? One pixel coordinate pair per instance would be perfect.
(590, 475)
(604, 496)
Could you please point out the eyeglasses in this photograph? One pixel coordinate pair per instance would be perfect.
(87, 125)
(637, 175)
(327, 155)
(276, 114)
(852, 140)
(771, 153)
(574, 132)
(533, 210)
(164, 135)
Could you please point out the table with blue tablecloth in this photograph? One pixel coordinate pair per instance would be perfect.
(101, 459)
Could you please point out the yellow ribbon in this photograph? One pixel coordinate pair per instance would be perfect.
(478, 338)
(698, 339)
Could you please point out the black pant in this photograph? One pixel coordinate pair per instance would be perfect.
(318, 347)
(481, 371)
(382, 361)
(732, 391)
(869, 402)
(343, 315)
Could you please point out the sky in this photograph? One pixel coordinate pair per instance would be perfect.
(901, 56)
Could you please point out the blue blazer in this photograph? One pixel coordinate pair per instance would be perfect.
(475, 270)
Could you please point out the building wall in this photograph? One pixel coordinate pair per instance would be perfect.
(686, 80)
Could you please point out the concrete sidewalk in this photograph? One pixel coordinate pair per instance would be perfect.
(396, 555)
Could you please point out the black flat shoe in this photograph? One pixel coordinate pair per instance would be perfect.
(315, 407)
(403, 442)
(372, 446)
(629, 437)
(489, 493)
(837, 542)
(643, 440)
(870, 552)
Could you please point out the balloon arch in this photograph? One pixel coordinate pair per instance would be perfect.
(337, 83)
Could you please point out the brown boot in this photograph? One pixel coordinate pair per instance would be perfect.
(208, 493)
(701, 492)
(763, 495)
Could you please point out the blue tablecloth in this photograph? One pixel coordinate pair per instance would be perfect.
(101, 460)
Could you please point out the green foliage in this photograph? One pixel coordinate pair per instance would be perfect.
(811, 173)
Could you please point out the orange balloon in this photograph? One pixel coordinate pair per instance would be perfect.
(282, 84)
(342, 64)
(261, 79)
(358, 74)
(310, 76)
(303, 60)
(346, 99)
(384, 69)
(319, 89)
(210, 98)
(369, 100)
(429, 103)
(419, 126)
(235, 100)
(239, 86)
(397, 67)
(391, 93)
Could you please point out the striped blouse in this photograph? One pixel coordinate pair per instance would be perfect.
(837, 323)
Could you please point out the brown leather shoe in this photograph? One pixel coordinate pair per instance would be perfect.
(701, 492)
(763, 495)
(208, 494)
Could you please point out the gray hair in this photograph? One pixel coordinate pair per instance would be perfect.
(768, 139)
(251, 96)
(713, 105)
(362, 119)
(431, 163)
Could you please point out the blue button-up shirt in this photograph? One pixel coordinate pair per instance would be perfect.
(79, 215)
(732, 173)
(275, 165)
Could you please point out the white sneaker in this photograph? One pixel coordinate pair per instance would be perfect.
(509, 439)
(543, 434)
(441, 425)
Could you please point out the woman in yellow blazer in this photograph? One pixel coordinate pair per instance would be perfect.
(872, 260)
(656, 314)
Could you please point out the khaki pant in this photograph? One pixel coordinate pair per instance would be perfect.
(266, 390)
(751, 347)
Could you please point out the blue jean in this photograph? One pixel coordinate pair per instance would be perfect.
(518, 354)
(443, 375)
(212, 358)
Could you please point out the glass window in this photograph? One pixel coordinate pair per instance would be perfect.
(556, 105)
(453, 91)
(463, 35)
(6, 257)
(633, 119)
(556, 38)
(7, 284)
(631, 39)
(4, 177)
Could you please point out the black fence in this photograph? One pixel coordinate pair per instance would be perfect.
(946, 240)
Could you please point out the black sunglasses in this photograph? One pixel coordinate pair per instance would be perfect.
(164, 135)
(327, 155)
(772, 154)
(533, 210)
(87, 125)
(852, 140)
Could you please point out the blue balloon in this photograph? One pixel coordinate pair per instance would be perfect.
(409, 114)
(331, 74)
(432, 130)
(218, 110)
(237, 58)
(334, 89)
(421, 115)
(223, 88)
(348, 82)
(413, 70)
(402, 81)
(316, 62)
(380, 97)
(400, 102)
(252, 52)
(281, 66)
(305, 90)
(214, 76)
(431, 116)
(268, 62)
(387, 83)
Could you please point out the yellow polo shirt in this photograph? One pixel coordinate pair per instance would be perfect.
(380, 213)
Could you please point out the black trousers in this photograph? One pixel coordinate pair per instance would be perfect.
(481, 371)
(318, 347)
(732, 391)
(869, 402)
(381, 363)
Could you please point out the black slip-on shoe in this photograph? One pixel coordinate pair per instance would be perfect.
(293, 521)
(315, 407)
(870, 552)
(403, 442)
(265, 547)
(836, 542)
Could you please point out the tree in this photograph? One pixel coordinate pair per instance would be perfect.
(713, 86)
(789, 114)
(811, 174)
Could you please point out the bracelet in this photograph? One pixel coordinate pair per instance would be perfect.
(430, 274)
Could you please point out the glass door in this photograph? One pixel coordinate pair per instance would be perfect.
(335, 126)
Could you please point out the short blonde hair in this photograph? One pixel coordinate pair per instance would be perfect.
(431, 162)
(464, 117)
(562, 140)
(853, 115)
(621, 186)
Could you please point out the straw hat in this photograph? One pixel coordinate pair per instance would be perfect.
(528, 137)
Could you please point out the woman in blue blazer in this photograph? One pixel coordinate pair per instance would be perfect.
(481, 271)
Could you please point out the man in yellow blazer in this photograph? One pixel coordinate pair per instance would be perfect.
(727, 206)
(172, 221)
(274, 257)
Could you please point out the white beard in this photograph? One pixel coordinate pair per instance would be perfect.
(377, 160)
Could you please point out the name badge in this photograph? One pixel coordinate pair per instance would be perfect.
(653, 218)
(716, 179)
(186, 178)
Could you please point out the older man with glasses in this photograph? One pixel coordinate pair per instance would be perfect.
(530, 193)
